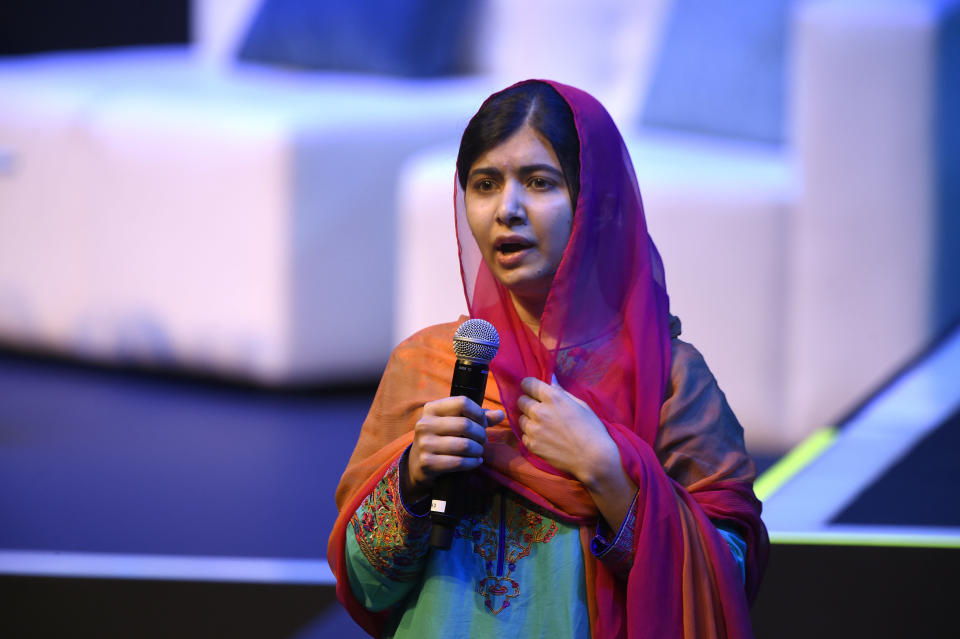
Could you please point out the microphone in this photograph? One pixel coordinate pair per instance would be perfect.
(475, 344)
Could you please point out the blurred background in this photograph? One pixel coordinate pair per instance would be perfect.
(217, 217)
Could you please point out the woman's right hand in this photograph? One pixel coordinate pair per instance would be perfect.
(448, 437)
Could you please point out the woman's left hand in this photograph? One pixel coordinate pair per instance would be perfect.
(564, 431)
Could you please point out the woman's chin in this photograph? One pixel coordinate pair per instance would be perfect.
(528, 288)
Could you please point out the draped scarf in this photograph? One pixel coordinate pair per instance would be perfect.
(606, 322)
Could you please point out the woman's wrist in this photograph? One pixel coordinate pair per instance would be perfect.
(411, 491)
(600, 469)
(609, 486)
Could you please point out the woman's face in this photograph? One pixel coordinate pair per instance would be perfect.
(519, 211)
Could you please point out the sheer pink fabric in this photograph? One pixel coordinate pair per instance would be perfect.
(609, 289)
(607, 314)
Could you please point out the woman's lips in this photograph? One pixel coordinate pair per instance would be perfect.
(512, 258)
(512, 249)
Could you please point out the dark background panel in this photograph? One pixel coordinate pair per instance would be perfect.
(117, 609)
(919, 490)
(29, 26)
(124, 461)
(849, 592)
(818, 591)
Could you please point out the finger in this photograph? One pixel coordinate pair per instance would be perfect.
(527, 441)
(523, 423)
(556, 384)
(570, 395)
(535, 388)
(578, 400)
(494, 417)
(434, 465)
(457, 405)
(451, 427)
(452, 446)
(471, 409)
(525, 404)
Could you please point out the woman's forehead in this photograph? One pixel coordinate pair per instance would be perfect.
(525, 147)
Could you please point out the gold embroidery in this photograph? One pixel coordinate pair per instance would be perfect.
(501, 537)
(392, 541)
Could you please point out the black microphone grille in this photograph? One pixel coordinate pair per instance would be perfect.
(476, 340)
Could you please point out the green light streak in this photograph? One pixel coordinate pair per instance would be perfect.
(827, 538)
(793, 462)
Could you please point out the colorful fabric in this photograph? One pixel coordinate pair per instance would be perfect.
(501, 536)
(385, 606)
(605, 335)
(618, 552)
(526, 580)
(490, 582)
(504, 551)
(391, 538)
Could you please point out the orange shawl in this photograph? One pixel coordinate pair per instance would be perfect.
(684, 579)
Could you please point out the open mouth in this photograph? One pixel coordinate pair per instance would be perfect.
(512, 245)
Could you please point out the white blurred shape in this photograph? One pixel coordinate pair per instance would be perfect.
(604, 47)
(218, 28)
(861, 268)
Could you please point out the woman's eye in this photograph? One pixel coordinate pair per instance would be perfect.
(484, 185)
(540, 183)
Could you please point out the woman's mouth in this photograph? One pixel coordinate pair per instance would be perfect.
(511, 250)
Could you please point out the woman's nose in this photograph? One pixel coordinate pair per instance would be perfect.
(511, 210)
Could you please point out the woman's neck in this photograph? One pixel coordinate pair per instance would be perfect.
(529, 311)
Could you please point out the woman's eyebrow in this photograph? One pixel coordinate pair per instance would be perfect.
(527, 169)
(540, 168)
(486, 170)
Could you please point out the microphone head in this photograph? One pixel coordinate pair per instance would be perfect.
(476, 340)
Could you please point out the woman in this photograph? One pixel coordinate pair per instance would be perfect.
(612, 495)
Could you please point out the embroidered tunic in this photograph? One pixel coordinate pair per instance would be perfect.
(485, 583)
(514, 568)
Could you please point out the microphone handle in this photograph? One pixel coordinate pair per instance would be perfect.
(469, 380)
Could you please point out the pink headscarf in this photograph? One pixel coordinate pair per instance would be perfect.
(607, 313)
(609, 296)
(609, 286)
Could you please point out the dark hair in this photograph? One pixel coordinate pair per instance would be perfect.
(536, 103)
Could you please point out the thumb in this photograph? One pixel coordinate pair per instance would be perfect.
(494, 417)
(556, 384)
